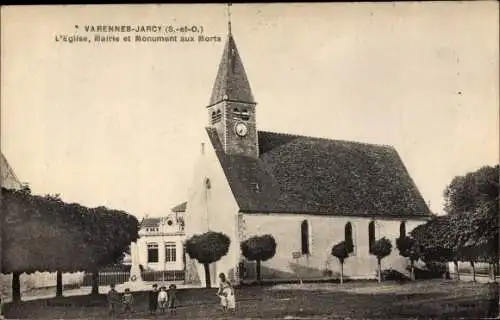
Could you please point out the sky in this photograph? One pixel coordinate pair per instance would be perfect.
(120, 124)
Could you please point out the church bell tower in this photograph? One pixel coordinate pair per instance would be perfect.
(232, 107)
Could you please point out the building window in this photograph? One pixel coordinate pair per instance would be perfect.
(170, 252)
(207, 183)
(402, 230)
(371, 235)
(242, 114)
(348, 236)
(304, 232)
(216, 116)
(152, 252)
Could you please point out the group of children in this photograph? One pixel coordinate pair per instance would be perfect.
(162, 298)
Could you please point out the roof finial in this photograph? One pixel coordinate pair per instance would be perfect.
(229, 17)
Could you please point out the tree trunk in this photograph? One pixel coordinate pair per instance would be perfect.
(59, 285)
(207, 275)
(412, 272)
(95, 283)
(455, 263)
(473, 271)
(379, 271)
(257, 266)
(342, 273)
(16, 287)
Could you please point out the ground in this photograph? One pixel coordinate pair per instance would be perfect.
(354, 300)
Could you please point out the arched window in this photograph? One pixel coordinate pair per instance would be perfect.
(216, 116)
(208, 185)
(402, 230)
(348, 236)
(371, 235)
(304, 233)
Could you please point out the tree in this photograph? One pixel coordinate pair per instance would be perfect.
(207, 248)
(381, 249)
(341, 252)
(409, 248)
(474, 200)
(467, 193)
(46, 234)
(259, 248)
(437, 239)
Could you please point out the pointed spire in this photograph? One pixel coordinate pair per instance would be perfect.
(229, 18)
(231, 82)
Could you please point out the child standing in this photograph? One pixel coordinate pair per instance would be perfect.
(162, 299)
(172, 298)
(128, 301)
(113, 301)
(153, 299)
(226, 294)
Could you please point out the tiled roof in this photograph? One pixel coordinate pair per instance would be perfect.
(150, 222)
(297, 174)
(231, 82)
(180, 207)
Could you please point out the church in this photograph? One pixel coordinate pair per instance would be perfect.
(308, 193)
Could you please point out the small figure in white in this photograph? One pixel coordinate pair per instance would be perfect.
(162, 299)
(226, 294)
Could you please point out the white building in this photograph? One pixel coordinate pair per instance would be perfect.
(161, 241)
(309, 193)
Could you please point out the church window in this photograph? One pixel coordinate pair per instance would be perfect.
(207, 183)
(242, 114)
(152, 252)
(304, 232)
(402, 230)
(216, 116)
(348, 236)
(371, 235)
(170, 252)
(245, 115)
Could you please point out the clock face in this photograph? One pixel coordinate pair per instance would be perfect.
(241, 129)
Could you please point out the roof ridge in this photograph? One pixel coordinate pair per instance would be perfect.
(328, 139)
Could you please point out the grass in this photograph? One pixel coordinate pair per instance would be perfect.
(421, 299)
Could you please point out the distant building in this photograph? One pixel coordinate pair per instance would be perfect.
(161, 241)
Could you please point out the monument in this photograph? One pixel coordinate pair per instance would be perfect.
(135, 282)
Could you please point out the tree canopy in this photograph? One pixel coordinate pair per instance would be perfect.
(42, 233)
(469, 192)
(469, 230)
(341, 251)
(381, 248)
(259, 248)
(208, 247)
(408, 248)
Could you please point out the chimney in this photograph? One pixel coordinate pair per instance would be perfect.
(202, 148)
